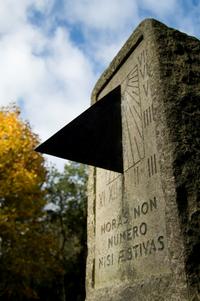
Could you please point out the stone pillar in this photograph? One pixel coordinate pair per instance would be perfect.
(143, 224)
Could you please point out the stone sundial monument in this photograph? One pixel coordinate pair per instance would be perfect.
(141, 134)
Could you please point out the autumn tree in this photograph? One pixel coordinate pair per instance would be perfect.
(28, 249)
(67, 217)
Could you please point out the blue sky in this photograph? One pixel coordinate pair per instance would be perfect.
(53, 51)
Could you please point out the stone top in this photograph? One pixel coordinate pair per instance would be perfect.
(144, 28)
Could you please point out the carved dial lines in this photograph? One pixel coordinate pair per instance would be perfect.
(132, 88)
(132, 120)
(111, 176)
(128, 147)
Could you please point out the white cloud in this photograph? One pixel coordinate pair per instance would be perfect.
(108, 15)
(19, 69)
(65, 88)
(161, 8)
(105, 25)
(188, 18)
(43, 5)
(104, 52)
(12, 14)
(49, 73)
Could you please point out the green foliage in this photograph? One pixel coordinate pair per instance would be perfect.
(67, 192)
(42, 220)
(27, 247)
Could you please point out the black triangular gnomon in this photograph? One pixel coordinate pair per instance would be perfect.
(94, 137)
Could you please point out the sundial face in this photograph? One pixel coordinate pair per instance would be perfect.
(130, 235)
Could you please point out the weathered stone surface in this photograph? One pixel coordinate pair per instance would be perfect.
(143, 225)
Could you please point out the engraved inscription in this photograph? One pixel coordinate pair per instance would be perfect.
(136, 175)
(152, 165)
(142, 249)
(145, 73)
(148, 116)
(128, 236)
(108, 195)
